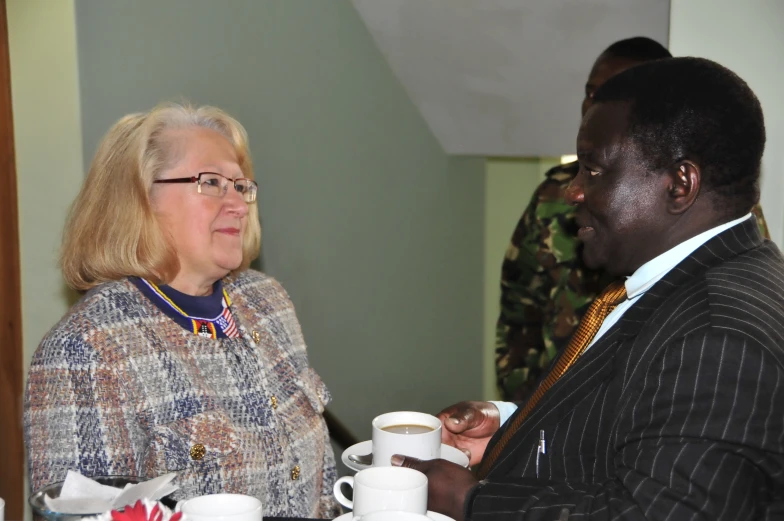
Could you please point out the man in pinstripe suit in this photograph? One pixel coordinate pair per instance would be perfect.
(675, 408)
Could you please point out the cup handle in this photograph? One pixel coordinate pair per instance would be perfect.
(178, 506)
(343, 500)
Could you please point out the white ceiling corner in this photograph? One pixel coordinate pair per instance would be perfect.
(503, 77)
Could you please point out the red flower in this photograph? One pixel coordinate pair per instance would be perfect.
(138, 512)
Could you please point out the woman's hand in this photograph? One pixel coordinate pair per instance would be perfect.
(469, 427)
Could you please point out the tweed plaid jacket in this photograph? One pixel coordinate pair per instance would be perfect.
(117, 388)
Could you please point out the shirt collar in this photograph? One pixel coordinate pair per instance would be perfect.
(652, 271)
(207, 307)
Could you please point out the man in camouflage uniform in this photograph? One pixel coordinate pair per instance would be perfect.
(545, 287)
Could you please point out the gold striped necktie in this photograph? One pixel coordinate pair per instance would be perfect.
(589, 326)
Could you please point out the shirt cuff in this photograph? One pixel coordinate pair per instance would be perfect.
(507, 409)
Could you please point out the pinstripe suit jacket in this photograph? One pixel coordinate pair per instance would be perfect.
(676, 413)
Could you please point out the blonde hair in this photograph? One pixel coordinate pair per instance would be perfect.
(111, 231)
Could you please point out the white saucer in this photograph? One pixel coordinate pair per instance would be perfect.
(448, 453)
(435, 516)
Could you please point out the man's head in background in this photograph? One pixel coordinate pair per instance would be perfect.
(617, 58)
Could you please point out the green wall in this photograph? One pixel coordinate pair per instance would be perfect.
(754, 52)
(373, 230)
(48, 150)
(48, 146)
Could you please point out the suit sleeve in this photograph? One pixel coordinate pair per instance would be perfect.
(700, 438)
(73, 416)
(519, 340)
(318, 394)
(328, 507)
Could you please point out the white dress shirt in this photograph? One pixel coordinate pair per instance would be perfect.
(641, 281)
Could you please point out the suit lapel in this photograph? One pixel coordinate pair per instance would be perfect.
(588, 372)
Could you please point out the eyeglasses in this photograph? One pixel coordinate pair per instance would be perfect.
(216, 185)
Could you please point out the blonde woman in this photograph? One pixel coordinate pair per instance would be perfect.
(178, 357)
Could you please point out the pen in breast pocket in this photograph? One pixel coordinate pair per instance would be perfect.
(541, 449)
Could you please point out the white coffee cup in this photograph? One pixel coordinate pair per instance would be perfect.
(394, 515)
(221, 507)
(2, 509)
(385, 488)
(424, 445)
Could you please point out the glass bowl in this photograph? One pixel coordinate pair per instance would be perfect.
(53, 490)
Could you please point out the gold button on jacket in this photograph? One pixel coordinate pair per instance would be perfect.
(295, 473)
(198, 451)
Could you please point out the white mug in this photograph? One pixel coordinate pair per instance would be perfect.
(424, 445)
(2, 509)
(394, 515)
(221, 507)
(385, 488)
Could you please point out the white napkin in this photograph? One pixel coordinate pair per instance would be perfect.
(81, 495)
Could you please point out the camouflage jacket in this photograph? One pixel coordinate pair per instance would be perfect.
(545, 288)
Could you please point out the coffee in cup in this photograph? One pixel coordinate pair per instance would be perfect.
(408, 429)
(408, 433)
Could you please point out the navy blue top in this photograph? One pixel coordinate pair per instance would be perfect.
(195, 313)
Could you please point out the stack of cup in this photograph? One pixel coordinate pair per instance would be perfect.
(221, 507)
(396, 490)
(386, 493)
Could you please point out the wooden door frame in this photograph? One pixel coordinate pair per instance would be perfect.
(11, 442)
